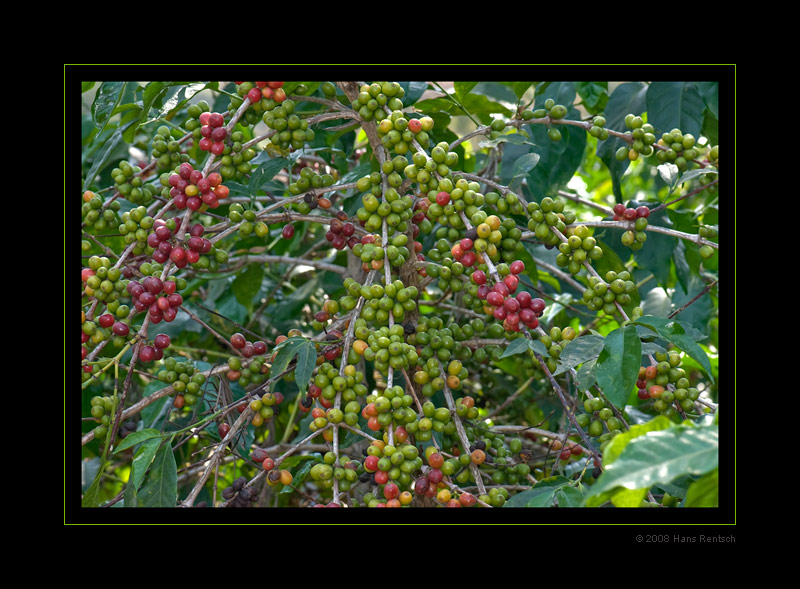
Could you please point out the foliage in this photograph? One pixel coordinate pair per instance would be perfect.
(413, 294)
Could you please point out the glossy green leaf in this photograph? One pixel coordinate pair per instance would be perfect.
(161, 486)
(675, 105)
(141, 461)
(618, 443)
(704, 492)
(247, 284)
(618, 364)
(660, 457)
(579, 351)
(517, 346)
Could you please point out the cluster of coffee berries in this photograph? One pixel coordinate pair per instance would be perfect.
(633, 238)
(309, 178)
(606, 295)
(666, 383)
(102, 410)
(235, 160)
(598, 129)
(555, 342)
(330, 381)
(212, 132)
(505, 204)
(265, 408)
(430, 375)
(185, 379)
(392, 406)
(239, 495)
(189, 188)
(111, 325)
(547, 218)
(373, 100)
(135, 227)
(398, 133)
(392, 468)
(340, 232)
(290, 130)
(555, 112)
(503, 462)
(158, 297)
(449, 200)
(322, 473)
(95, 216)
(394, 209)
(393, 298)
(262, 94)
(706, 232)
(579, 247)
(322, 317)
(250, 365)
(127, 428)
(166, 149)
(102, 281)
(130, 185)
(387, 348)
(599, 420)
(514, 311)
(678, 148)
(439, 343)
(640, 141)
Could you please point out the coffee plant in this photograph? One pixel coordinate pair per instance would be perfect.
(401, 294)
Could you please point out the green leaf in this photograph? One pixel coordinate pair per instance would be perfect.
(86, 86)
(569, 497)
(142, 460)
(306, 362)
(105, 101)
(629, 98)
(594, 95)
(675, 104)
(161, 488)
(682, 335)
(660, 457)
(462, 89)
(704, 492)
(247, 284)
(578, 351)
(542, 494)
(524, 164)
(305, 351)
(618, 443)
(618, 364)
(517, 346)
(91, 498)
(135, 438)
(520, 88)
(264, 172)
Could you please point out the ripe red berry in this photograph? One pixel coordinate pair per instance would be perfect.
(216, 120)
(619, 208)
(494, 298)
(147, 354)
(642, 212)
(524, 299)
(442, 199)
(224, 428)
(120, 328)
(517, 267)
(238, 341)
(537, 305)
(254, 94)
(511, 281)
(288, 232)
(162, 340)
(106, 320)
(629, 214)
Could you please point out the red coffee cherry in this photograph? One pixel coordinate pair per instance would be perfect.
(238, 341)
